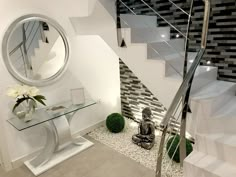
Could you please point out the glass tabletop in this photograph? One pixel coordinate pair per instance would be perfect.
(48, 113)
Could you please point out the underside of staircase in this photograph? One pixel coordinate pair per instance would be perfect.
(157, 60)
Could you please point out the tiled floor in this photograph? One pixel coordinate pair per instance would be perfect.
(97, 161)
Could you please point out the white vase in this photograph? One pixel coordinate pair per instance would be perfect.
(25, 110)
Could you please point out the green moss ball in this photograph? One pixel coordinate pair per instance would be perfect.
(115, 122)
(176, 158)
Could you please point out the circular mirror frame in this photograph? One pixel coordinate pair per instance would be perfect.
(5, 53)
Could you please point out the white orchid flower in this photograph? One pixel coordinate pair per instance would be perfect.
(15, 91)
(24, 90)
(24, 93)
(33, 91)
(12, 92)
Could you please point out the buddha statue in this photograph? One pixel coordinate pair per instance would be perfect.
(146, 131)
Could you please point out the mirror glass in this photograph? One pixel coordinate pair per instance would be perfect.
(36, 50)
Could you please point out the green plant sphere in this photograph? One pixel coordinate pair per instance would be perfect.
(115, 122)
(172, 149)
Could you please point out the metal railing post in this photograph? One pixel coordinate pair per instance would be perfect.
(205, 23)
(25, 55)
(186, 98)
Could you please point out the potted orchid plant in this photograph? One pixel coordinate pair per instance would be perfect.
(27, 97)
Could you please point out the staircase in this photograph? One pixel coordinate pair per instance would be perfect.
(44, 52)
(157, 60)
(41, 42)
(157, 72)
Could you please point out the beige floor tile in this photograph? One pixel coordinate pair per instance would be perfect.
(120, 166)
(97, 161)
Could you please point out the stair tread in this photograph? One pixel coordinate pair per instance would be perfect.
(211, 164)
(227, 139)
(227, 111)
(139, 15)
(176, 39)
(200, 70)
(137, 21)
(212, 90)
(177, 56)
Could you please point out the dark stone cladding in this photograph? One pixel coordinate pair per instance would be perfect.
(135, 97)
(221, 49)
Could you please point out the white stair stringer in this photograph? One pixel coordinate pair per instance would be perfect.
(152, 73)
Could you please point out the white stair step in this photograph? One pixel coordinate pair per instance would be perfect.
(198, 164)
(214, 90)
(205, 102)
(138, 21)
(221, 146)
(149, 35)
(211, 97)
(165, 49)
(222, 121)
(224, 125)
(52, 35)
(175, 62)
(227, 110)
(204, 75)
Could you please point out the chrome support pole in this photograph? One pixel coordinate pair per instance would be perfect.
(205, 23)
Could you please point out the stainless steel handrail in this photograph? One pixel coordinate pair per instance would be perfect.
(184, 86)
(15, 49)
(25, 56)
(194, 65)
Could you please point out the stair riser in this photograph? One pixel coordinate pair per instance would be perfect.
(199, 164)
(148, 35)
(140, 21)
(174, 66)
(192, 171)
(202, 111)
(224, 152)
(203, 79)
(211, 126)
(211, 105)
(165, 50)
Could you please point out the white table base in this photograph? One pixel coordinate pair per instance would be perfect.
(59, 157)
(59, 145)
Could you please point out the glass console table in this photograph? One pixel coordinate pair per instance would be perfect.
(60, 145)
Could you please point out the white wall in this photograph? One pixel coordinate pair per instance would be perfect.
(93, 65)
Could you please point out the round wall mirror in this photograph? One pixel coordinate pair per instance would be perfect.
(35, 50)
